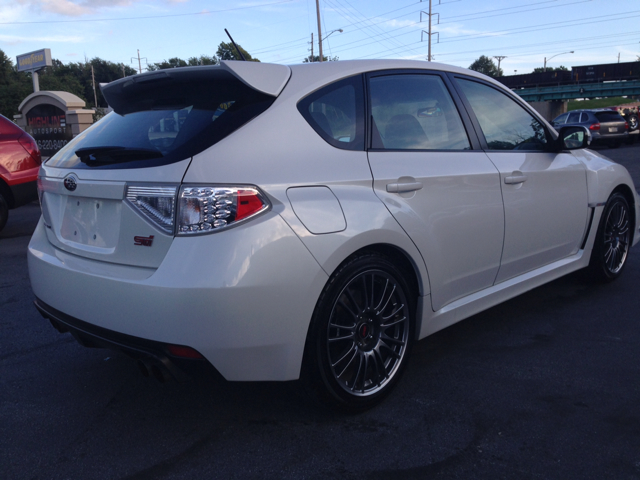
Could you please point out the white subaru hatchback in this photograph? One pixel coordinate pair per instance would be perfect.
(273, 223)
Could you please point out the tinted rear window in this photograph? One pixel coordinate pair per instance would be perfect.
(609, 117)
(164, 117)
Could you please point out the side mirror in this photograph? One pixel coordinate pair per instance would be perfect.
(574, 138)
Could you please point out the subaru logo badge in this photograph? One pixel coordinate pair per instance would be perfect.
(71, 183)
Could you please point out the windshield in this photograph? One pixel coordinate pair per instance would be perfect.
(163, 118)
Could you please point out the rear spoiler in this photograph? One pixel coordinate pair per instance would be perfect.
(269, 78)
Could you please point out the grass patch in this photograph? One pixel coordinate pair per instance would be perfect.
(598, 103)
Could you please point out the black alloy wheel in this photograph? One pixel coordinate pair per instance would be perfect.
(361, 334)
(613, 239)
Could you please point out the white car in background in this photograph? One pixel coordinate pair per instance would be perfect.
(312, 221)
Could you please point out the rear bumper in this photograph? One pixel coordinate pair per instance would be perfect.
(242, 298)
(154, 356)
(609, 138)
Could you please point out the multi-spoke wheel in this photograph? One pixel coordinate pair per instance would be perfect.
(613, 239)
(361, 333)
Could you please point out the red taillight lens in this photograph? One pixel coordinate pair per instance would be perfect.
(205, 209)
(626, 126)
(31, 147)
(249, 202)
(184, 352)
(595, 126)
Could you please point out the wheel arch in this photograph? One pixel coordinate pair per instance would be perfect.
(625, 190)
(5, 191)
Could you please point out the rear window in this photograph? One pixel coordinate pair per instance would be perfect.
(609, 117)
(163, 117)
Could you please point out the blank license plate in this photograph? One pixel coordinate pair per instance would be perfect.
(613, 129)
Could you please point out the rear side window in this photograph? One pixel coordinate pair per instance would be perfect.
(609, 117)
(574, 117)
(163, 118)
(415, 112)
(336, 113)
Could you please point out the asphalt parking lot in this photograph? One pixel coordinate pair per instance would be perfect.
(545, 386)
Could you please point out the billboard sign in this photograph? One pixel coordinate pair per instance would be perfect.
(47, 124)
(34, 60)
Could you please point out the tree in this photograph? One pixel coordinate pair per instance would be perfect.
(226, 51)
(485, 65)
(316, 58)
(14, 86)
(174, 62)
(561, 68)
(202, 60)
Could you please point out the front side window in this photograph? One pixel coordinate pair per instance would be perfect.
(505, 124)
(336, 113)
(561, 119)
(415, 112)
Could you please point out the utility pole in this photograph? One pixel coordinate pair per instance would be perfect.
(429, 32)
(93, 81)
(123, 74)
(500, 58)
(319, 28)
(139, 61)
(618, 57)
(312, 46)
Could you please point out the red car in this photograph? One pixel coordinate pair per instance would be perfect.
(19, 164)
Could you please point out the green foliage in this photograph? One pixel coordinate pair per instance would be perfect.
(316, 58)
(598, 103)
(226, 51)
(561, 68)
(485, 65)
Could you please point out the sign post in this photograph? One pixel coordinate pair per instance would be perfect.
(34, 61)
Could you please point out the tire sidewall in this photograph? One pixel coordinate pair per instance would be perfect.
(318, 369)
(598, 264)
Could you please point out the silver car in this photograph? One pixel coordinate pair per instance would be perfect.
(272, 222)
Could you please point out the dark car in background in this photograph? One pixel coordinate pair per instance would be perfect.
(19, 164)
(607, 127)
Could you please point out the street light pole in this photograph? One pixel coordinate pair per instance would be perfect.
(545, 58)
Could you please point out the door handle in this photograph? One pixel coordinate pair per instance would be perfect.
(403, 187)
(517, 177)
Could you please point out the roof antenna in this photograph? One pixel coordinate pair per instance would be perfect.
(234, 44)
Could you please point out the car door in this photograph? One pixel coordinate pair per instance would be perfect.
(544, 192)
(436, 181)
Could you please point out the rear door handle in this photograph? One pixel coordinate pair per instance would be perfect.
(403, 187)
(515, 178)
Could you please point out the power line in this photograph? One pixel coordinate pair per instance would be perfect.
(117, 19)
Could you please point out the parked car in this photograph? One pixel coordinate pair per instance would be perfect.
(607, 127)
(313, 221)
(19, 164)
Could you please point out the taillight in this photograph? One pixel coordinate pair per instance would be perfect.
(626, 126)
(156, 203)
(595, 126)
(203, 209)
(31, 147)
(197, 209)
(43, 205)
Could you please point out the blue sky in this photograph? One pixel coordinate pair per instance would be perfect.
(279, 31)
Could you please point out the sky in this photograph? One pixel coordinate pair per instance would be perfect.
(279, 31)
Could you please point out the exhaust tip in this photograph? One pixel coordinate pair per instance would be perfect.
(159, 373)
(143, 368)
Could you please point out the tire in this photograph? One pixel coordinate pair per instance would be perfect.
(613, 240)
(4, 212)
(360, 335)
